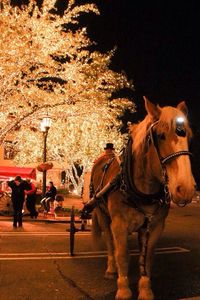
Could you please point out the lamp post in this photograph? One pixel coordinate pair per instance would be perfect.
(45, 125)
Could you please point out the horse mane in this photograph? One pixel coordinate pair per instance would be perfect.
(138, 133)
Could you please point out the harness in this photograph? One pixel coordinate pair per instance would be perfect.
(124, 181)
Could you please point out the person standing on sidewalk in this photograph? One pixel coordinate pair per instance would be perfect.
(31, 199)
(18, 186)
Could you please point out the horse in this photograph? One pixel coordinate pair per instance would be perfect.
(154, 170)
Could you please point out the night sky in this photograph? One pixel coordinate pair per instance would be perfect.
(158, 46)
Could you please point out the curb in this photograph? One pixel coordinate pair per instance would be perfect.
(10, 219)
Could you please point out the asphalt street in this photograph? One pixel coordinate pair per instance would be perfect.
(35, 263)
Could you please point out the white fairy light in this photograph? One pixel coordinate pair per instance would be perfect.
(76, 92)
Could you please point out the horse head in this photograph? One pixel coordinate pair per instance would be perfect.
(166, 134)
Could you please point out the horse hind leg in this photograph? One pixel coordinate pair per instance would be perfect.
(101, 224)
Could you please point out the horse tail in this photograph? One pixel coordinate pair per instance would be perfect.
(96, 231)
(96, 228)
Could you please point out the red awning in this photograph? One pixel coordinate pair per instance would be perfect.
(7, 172)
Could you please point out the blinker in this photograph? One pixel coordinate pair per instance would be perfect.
(180, 121)
(180, 127)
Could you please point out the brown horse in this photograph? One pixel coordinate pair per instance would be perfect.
(154, 170)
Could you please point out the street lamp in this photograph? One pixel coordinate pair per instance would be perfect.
(45, 125)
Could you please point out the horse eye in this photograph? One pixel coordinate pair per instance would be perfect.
(180, 131)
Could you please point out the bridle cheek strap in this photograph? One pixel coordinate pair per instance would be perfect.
(164, 160)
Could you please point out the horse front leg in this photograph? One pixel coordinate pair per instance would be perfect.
(111, 271)
(120, 235)
(147, 243)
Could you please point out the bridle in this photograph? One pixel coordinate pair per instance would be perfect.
(153, 139)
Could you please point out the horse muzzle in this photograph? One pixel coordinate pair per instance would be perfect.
(181, 202)
(182, 196)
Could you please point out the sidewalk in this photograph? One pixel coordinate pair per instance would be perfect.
(69, 202)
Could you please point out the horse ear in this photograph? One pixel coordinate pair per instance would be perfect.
(183, 107)
(152, 109)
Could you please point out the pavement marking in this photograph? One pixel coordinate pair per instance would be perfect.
(78, 255)
(191, 298)
(9, 233)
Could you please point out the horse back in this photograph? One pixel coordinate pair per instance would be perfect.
(105, 169)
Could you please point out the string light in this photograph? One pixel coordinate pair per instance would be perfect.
(44, 65)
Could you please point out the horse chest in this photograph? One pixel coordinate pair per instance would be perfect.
(135, 221)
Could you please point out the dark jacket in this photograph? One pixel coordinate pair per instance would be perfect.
(51, 192)
(31, 192)
(18, 194)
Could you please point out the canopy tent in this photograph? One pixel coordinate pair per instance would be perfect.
(7, 172)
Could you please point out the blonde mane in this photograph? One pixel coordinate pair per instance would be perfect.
(138, 133)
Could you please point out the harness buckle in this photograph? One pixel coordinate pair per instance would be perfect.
(123, 187)
(167, 194)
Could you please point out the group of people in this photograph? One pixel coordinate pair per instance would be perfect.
(25, 189)
(22, 189)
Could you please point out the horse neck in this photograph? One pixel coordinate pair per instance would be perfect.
(144, 178)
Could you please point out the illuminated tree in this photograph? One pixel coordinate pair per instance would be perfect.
(79, 138)
(48, 67)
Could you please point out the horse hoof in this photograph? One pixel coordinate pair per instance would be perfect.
(123, 294)
(147, 295)
(146, 298)
(110, 275)
(145, 291)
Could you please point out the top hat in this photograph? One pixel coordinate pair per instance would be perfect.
(109, 146)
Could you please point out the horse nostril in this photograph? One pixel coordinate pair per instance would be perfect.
(178, 189)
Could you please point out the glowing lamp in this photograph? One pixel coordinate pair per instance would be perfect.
(45, 124)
